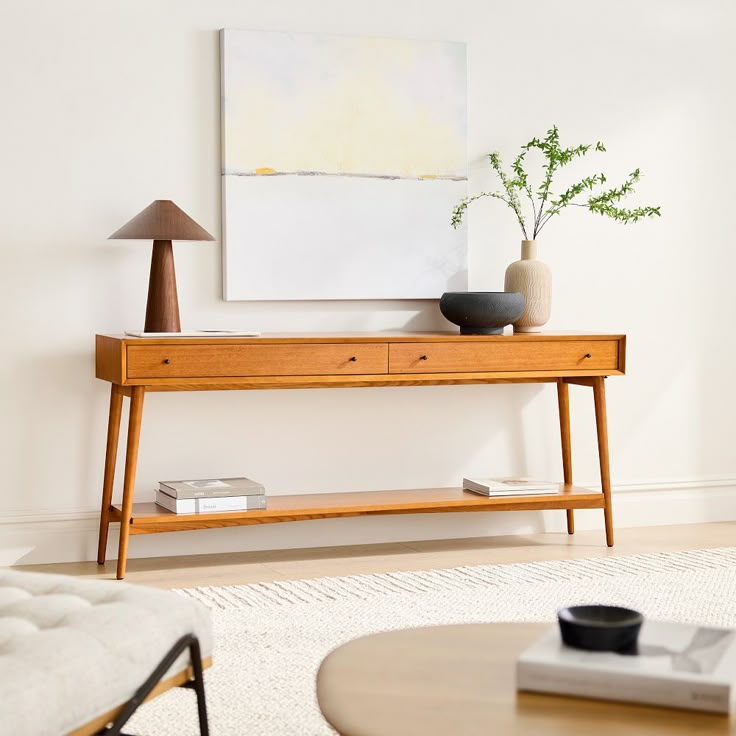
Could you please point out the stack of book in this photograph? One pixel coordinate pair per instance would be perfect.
(675, 665)
(211, 495)
(509, 486)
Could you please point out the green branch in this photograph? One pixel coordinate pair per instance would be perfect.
(567, 198)
(459, 211)
(523, 180)
(547, 204)
(511, 186)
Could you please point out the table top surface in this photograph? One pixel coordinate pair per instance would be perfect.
(376, 336)
(444, 680)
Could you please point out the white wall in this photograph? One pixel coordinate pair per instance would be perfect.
(107, 106)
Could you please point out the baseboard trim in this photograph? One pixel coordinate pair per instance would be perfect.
(71, 536)
(694, 484)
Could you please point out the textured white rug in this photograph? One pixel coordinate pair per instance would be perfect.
(270, 638)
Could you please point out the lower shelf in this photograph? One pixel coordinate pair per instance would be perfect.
(148, 518)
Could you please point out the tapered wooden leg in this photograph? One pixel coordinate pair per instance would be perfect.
(601, 422)
(111, 454)
(563, 401)
(131, 462)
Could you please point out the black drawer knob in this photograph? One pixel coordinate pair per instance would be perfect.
(353, 359)
(167, 360)
(588, 355)
(422, 357)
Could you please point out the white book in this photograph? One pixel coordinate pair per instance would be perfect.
(194, 333)
(677, 666)
(509, 486)
(210, 505)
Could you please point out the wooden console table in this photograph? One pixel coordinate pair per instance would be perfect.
(135, 366)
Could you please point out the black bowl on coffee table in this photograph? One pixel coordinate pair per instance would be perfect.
(482, 312)
(600, 628)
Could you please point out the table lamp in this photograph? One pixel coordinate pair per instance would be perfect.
(162, 221)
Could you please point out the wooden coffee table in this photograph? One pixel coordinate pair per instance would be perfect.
(461, 680)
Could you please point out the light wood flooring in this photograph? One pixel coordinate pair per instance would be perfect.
(292, 564)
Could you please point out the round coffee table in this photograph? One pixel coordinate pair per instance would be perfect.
(447, 680)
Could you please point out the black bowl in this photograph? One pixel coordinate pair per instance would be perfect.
(600, 628)
(482, 312)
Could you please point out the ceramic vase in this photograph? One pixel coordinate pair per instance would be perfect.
(534, 280)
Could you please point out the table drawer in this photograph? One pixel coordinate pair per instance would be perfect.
(200, 361)
(484, 357)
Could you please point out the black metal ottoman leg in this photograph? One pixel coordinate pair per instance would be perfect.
(197, 684)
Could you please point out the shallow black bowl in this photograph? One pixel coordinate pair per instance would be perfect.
(482, 312)
(600, 628)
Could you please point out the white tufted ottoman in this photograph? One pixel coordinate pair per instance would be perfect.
(72, 652)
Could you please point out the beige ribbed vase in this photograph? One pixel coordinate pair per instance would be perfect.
(534, 280)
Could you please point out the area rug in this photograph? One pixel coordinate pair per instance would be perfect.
(270, 638)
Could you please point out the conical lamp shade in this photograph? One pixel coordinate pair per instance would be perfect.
(161, 220)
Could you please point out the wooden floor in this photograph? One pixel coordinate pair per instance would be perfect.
(253, 567)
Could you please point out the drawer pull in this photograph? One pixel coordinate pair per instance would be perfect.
(422, 357)
(167, 361)
(588, 355)
(353, 359)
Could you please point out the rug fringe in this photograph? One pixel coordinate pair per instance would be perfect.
(367, 586)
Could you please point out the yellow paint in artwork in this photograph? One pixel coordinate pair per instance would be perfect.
(353, 106)
(428, 176)
(265, 171)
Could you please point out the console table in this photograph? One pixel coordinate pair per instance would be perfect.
(135, 366)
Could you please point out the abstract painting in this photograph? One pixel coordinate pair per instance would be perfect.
(342, 159)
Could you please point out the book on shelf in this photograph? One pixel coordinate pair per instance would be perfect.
(211, 488)
(509, 486)
(210, 505)
(676, 665)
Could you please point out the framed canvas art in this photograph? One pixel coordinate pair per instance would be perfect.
(342, 159)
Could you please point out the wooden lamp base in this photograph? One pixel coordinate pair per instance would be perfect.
(162, 308)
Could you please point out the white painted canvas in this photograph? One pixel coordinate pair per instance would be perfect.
(342, 160)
